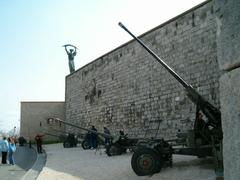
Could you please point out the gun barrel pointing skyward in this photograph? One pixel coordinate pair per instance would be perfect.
(169, 69)
(212, 113)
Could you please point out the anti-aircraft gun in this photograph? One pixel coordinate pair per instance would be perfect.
(204, 140)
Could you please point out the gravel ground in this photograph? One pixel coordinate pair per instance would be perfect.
(76, 163)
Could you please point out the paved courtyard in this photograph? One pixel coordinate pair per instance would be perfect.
(76, 163)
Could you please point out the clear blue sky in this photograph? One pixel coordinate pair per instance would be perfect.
(33, 63)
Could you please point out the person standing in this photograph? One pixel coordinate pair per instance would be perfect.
(11, 150)
(30, 143)
(38, 139)
(94, 137)
(122, 135)
(4, 148)
(107, 138)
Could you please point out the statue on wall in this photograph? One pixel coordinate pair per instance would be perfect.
(71, 52)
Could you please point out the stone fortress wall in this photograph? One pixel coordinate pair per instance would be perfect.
(228, 45)
(127, 89)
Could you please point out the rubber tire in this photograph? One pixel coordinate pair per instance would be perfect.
(66, 145)
(113, 150)
(150, 155)
(85, 145)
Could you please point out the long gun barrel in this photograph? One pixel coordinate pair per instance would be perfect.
(49, 134)
(85, 129)
(212, 113)
(56, 130)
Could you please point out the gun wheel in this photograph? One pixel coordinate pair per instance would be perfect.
(112, 150)
(146, 161)
(85, 145)
(66, 145)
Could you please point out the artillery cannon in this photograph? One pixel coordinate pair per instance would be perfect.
(60, 137)
(204, 140)
(85, 142)
(68, 139)
(121, 144)
(118, 144)
(78, 138)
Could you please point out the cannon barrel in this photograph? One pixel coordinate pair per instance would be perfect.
(50, 134)
(169, 69)
(212, 113)
(58, 130)
(62, 132)
(82, 128)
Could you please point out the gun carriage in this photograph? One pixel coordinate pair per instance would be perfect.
(204, 140)
(68, 139)
(118, 145)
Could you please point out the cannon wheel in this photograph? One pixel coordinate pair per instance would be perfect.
(146, 161)
(114, 149)
(85, 145)
(66, 144)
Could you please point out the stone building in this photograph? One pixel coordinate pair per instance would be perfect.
(34, 119)
(127, 89)
(228, 50)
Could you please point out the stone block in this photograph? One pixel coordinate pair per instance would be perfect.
(228, 36)
(230, 108)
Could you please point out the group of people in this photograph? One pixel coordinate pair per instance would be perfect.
(92, 137)
(7, 147)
